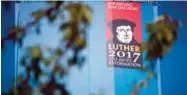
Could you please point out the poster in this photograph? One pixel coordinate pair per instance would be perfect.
(123, 34)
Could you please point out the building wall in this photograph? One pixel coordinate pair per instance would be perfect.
(8, 53)
(174, 65)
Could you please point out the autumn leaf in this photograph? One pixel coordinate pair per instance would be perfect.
(58, 51)
(79, 12)
(72, 8)
(48, 60)
(15, 32)
(35, 52)
(38, 14)
(68, 33)
(36, 68)
(72, 61)
(80, 42)
(51, 17)
(51, 87)
(86, 14)
(74, 39)
(162, 34)
(75, 32)
(65, 26)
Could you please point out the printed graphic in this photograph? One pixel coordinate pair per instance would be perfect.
(123, 34)
(122, 30)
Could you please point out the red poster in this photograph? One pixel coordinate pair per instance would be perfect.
(123, 34)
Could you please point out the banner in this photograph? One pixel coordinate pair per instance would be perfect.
(123, 34)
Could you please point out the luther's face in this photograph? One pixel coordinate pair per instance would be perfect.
(124, 33)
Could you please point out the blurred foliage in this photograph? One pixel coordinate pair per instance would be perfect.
(73, 37)
(162, 34)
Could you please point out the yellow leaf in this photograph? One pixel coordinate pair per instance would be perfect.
(49, 60)
(67, 33)
(73, 7)
(38, 14)
(80, 41)
(87, 16)
(161, 18)
(170, 37)
(79, 12)
(35, 52)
